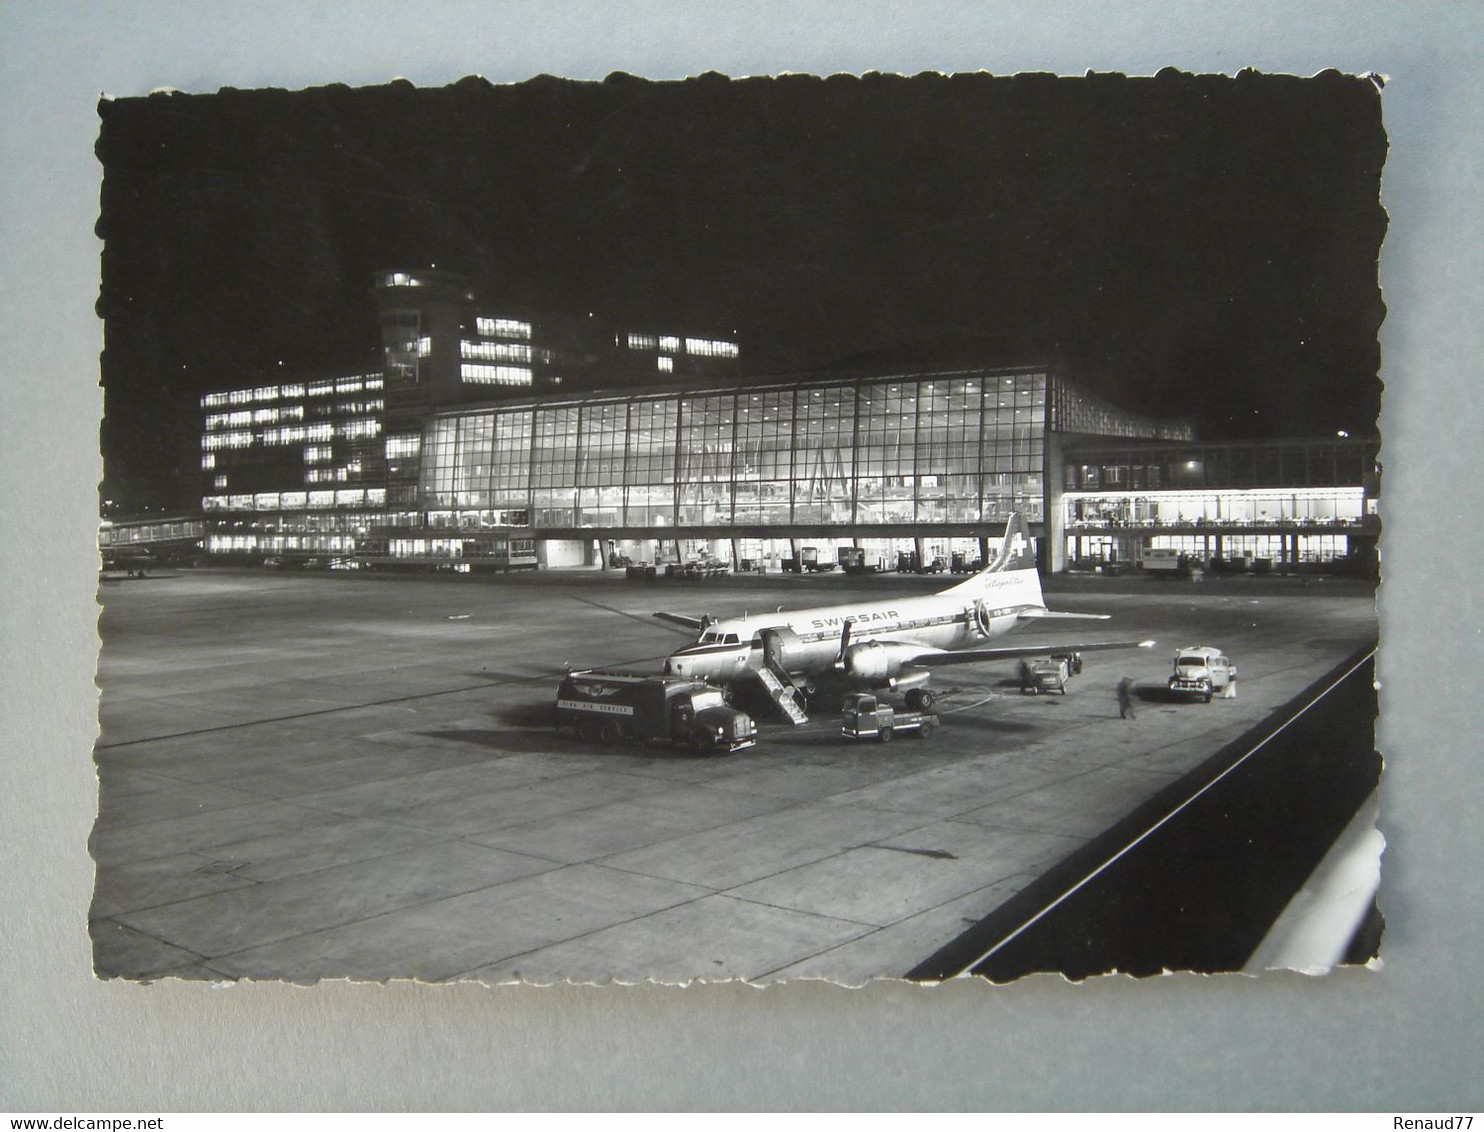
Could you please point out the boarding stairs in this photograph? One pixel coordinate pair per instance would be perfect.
(783, 692)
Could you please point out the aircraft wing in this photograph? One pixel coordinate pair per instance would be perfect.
(976, 656)
(696, 623)
(1041, 614)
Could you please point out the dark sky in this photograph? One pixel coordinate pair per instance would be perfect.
(1179, 244)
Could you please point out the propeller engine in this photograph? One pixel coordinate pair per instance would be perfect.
(875, 664)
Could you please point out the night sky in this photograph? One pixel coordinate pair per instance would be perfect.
(1180, 245)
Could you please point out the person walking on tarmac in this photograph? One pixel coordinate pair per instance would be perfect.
(1126, 698)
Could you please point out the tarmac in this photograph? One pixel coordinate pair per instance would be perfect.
(326, 775)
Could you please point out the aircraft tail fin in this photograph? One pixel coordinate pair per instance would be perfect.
(1013, 557)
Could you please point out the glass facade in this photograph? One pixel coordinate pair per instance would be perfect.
(934, 449)
(1291, 501)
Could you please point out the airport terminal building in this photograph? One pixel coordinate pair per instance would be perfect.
(496, 439)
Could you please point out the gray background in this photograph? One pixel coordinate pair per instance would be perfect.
(1404, 1038)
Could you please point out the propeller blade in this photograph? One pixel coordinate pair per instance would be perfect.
(844, 644)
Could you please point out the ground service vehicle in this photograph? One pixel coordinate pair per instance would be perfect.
(857, 560)
(809, 558)
(1049, 673)
(1159, 562)
(1201, 670)
(865, 717)
(614, 706)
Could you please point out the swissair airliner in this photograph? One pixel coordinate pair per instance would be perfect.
(893, 644)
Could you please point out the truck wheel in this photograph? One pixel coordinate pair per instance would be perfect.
(886, 734)
(926, 729)
(608, 733)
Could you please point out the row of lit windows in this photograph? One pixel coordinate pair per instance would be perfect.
(345, 474)
(696, 347)
(708, 348)
(264, 393)
(237, 419)
(865, 500)
(296, 500)
(131, 534)
(401, 447)
(1277, 549)
(475, 374)
(277, 544)
(293, 434)
(1177, 508)
(254, 416)
(503, 328)
(495, 351)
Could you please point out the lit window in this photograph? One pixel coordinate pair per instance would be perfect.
(670, 342)
(424, 346)
(353, 430)
(289, 500)
(348, 385)
(240, 397)
(265, 501)
(208, 461)
(400, 279)
(219, 483)
(320, 388)
(265, 393)
(212, 400)
(667, 365)
(643, 342)
(372, 384)
(293, 390)
(317, 453)
(265, 416)
(321, 499)
(398, 447)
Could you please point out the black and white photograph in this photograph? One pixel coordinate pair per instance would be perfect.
(797, 527)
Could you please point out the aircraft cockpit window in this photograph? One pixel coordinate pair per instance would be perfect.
(729, 639)
(709, 638)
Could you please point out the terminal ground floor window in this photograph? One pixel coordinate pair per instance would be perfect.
(1201, 548)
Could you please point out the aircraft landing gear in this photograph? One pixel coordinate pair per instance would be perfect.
(921, 699)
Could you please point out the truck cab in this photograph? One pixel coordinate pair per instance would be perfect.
(1201, 670)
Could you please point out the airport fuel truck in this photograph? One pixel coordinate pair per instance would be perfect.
(614, 706)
